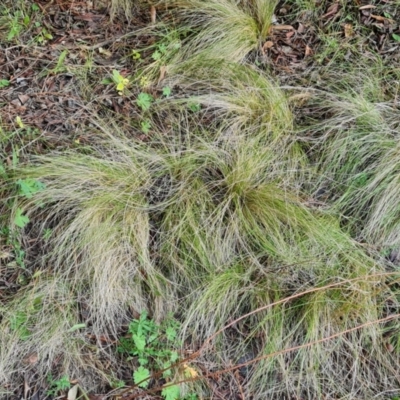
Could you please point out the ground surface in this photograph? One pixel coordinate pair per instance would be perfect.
(56, 65)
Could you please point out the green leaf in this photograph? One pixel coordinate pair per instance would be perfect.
(162, 48)
(4, 83)
(143, 361)
(76, 327)
(166, 91)
(28, 187)
(167, 373)
(171, 333)
(171, 392)
(117, 77)
(195, 107)
(35, 7)
(20, 220)
(146, 125)
(140, 375)
(140, 342)
(156, 55)
(62, 384)
(18, 320)
(135, 55)
(173, 356)
(106, 81)
(396, 37)
(19, 122)
(144, 101)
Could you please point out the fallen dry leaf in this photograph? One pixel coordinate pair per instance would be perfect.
(23, 98)
(72, 393)
(31, 359)
(105, 53)
(380, 18)
(163, 70)
(367, 7)
(190, 372)
(308, 51)
(332, 10)
(267, 45)
(301, 28)
(5, 254)
(348, 30)
(153, 14)
(282, 27)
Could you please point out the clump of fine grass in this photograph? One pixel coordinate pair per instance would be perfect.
(104, 202)
(356, 157)
(222, 28)
(273, 245)
(239, 97)
(37, 326)
(127, 6)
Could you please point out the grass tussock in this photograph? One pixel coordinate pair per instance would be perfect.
(239, 96)
(216, 226)
(357, 161)
(224, 29)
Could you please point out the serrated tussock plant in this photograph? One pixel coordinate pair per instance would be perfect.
(357, 162)
(207, 223)
(238, 97)
(38, 328)
(224, 29)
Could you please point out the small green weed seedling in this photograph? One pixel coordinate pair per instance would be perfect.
(121, 83)
(18, 324)
(144, 101)
(159, 52)
(20, 318)
(4, 83)
(16, 24)
(12, 241)
(42, 35)
(20, 219)
(166, 91)
(135, 55)
(28, 187)
(60, 66)
(169, 47)
(194, 107)
(59, 385)
(396, 37)
(21, 20)
(47, 234)
(146, 126)
(154, 346)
